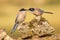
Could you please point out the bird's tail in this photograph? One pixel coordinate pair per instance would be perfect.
(14, 28)
(48, 12)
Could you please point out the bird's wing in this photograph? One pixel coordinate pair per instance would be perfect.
(16, 17)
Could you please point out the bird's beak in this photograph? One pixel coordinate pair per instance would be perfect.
(14, 28)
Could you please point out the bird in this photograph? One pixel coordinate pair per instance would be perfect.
(41, 21)
(19, 19)
(37, 11)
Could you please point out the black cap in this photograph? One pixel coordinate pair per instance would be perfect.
(22, 9)
(31, 9)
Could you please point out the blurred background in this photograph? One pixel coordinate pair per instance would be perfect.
(9, 9)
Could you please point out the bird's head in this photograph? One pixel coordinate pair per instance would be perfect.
(36, 11)
(22, 10)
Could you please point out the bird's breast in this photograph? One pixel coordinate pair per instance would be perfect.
(20, 18)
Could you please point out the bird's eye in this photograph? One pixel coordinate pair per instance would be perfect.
(31, 9)
(22, 9)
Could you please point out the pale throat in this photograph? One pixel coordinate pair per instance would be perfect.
(38, 18)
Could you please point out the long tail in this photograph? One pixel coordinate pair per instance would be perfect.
(14, 28)
(48, 12)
